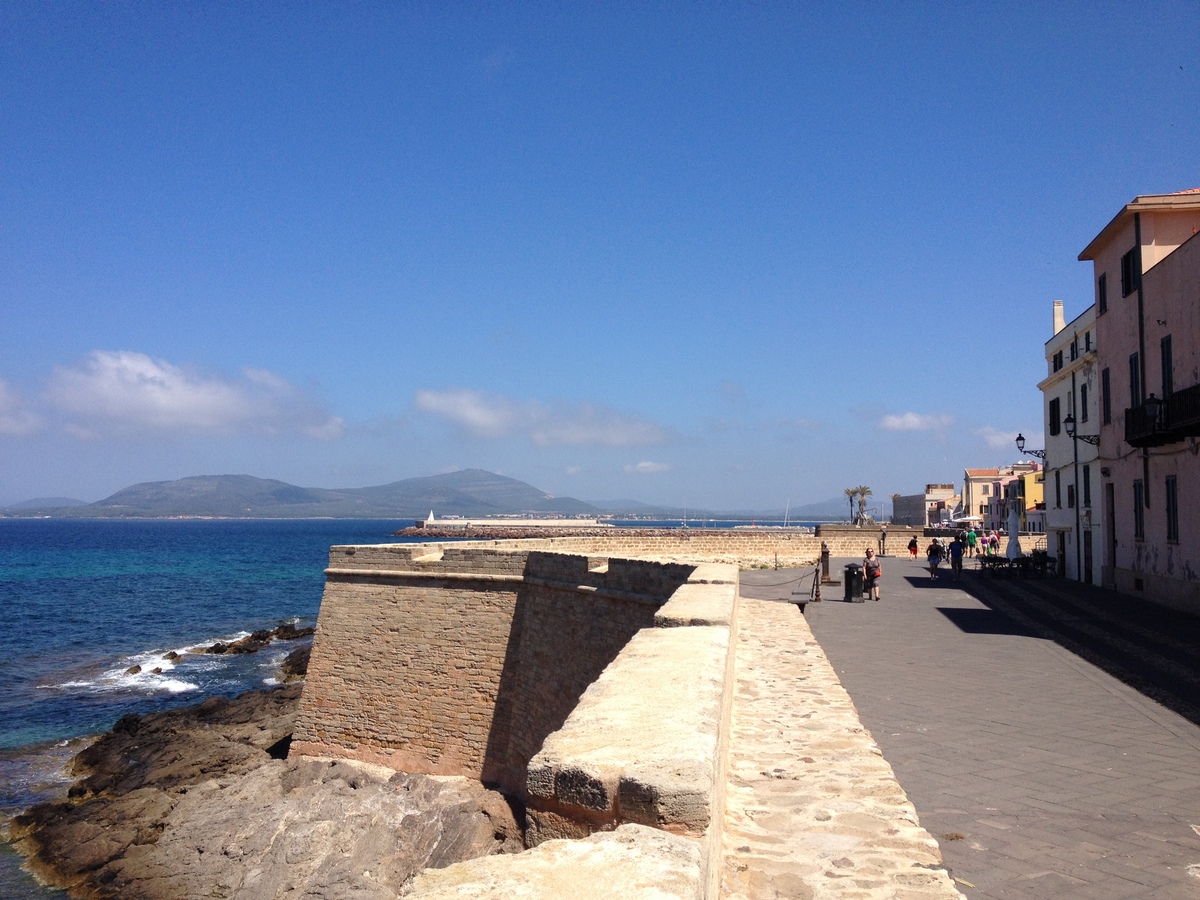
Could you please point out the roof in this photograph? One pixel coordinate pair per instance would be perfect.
(982, 473)
(1186, 199)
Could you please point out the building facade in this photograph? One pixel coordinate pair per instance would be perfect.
(1146, 270)
(1070, 404)
(934, 507)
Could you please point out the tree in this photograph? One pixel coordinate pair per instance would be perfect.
(851, 493)
(863, 493)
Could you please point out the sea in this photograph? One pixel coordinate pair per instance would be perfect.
(84, 601)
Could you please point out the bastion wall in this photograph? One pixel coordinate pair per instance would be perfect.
(456, 659)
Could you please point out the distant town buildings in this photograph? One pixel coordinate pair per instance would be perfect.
(937, 506)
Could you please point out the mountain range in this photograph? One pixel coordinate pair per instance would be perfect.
(469, 492)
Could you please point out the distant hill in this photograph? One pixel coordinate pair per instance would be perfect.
(471, 492)
(47, 503)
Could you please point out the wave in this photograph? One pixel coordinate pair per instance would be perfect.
(180, 670)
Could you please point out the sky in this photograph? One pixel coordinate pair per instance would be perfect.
(716, 255)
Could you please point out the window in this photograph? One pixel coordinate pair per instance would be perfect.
(1075, 348)
(1087, 341)
(1106, 395)
(1055, 416)
(1070, 496)
(1057, 362)
(1102, 293)
(1139, 511)
(1129, 273)
(1168, 368)
(1172, 505)
(1135, 380)
(1087, 485)
(986, 488)
(1083, 404)
(1057, 491)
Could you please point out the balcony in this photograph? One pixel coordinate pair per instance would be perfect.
(1154, 423)
(1183, 412)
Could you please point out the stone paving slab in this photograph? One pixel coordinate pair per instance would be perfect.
(812, 808)
(1041, 773)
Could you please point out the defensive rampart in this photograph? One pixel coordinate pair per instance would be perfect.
(459, 660)
(599, 690)
(741, 546)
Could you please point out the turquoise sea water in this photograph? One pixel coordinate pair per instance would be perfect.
(82, 601)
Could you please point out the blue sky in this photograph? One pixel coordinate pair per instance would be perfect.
(715, 255)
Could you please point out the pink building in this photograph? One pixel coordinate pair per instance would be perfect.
(1147, 275)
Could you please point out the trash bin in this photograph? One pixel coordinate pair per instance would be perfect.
(853, 579)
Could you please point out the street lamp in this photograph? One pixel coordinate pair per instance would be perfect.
(1154, 407)
(1093, 439)
(1040, 454)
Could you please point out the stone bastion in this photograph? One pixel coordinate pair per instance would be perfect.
(593, 688)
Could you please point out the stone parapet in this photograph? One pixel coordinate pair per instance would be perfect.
(641, 745)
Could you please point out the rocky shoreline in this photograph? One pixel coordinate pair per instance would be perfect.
(204, 802)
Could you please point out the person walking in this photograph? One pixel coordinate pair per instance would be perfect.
(933, 554)
(972, 539)
(913, 546)
(957, 546)
(871, 572)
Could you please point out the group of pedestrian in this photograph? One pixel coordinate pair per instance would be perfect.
(964, 544)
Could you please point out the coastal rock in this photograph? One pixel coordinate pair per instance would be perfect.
(254, 642)
(295, 665)
(199, 802)
(289, 632)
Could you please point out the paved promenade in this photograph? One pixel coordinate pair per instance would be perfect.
(1000, 706)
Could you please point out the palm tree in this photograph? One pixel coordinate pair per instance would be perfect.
(863, 493)
(851, 493)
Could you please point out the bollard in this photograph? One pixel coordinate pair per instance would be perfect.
(824, 561)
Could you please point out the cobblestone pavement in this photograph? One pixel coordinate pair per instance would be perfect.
(1018, 717)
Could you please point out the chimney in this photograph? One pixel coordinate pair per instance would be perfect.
(1060, 321)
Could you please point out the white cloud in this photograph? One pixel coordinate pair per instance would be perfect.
(573, 470)
(993, 437)
(15, 419)
(647, 468)
(495, 416)
(123, 391)
(911, 421)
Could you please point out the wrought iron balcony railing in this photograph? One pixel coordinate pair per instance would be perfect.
(1155, 423)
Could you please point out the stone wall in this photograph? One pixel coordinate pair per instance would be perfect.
(458, 659)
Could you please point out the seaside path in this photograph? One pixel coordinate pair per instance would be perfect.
(1018, 717)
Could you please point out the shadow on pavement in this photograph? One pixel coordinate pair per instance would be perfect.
(985, 621)
(1153, 649)
(924, 581)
